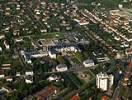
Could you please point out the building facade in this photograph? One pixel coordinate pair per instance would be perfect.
(104, 81)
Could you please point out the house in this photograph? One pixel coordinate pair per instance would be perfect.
(102, 59)
(2, 75)
(61, 67)
(2, 37)
(52, 54)
(8, 78)
(18, 74)
(29, 79)
(26, 57)
(88, 63)
(29, 73)
(75, 97)
(53, 78)
(18, 40)
(6, 66)
(6, 45)
(47, 93)
(43, 30)
(0, 49)
(3, 89)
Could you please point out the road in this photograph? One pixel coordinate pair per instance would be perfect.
(79, 68)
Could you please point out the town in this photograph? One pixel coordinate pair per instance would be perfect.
(65, 49)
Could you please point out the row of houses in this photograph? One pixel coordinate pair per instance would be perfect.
(28, 76)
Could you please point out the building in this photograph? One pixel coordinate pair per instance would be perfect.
(75, 97)
(2, 73)
(1, 49)
(102, 59)
(3, 89)
(104, 98)
(82, 21)
(88, 63)
(61, 49)
(6, 66)
(8, 79)
(111, 80)
(104, 81)
(29, 73)
(47, 93)
(26, 57)
(18, 74)
(61, 68)
(52, 54)
(66, 48)
(6, 45)
(29, 79)
(53, 78)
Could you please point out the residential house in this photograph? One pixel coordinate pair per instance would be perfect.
(47, 93)
(88, 63)
(61, 67)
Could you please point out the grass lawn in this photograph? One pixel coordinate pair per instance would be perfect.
(79, 56)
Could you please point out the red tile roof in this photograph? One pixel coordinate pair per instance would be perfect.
(104, 98)
(45, 92)
(75, 97)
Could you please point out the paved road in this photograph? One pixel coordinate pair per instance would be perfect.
(79, 68)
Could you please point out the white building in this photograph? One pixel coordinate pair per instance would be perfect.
(6, 45)
(52, 55)
(2, 74)
(67, 49)
(18, 74)
(104, 81)
(28, 81)
(111, 80)
(2, 37)
(29, 73)
(88, 63)
(53, 78)
(27, 60)
(3, 89)
(61, 68)
(0, 49)
(9, 79)
(102, 59)
(39, 54)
